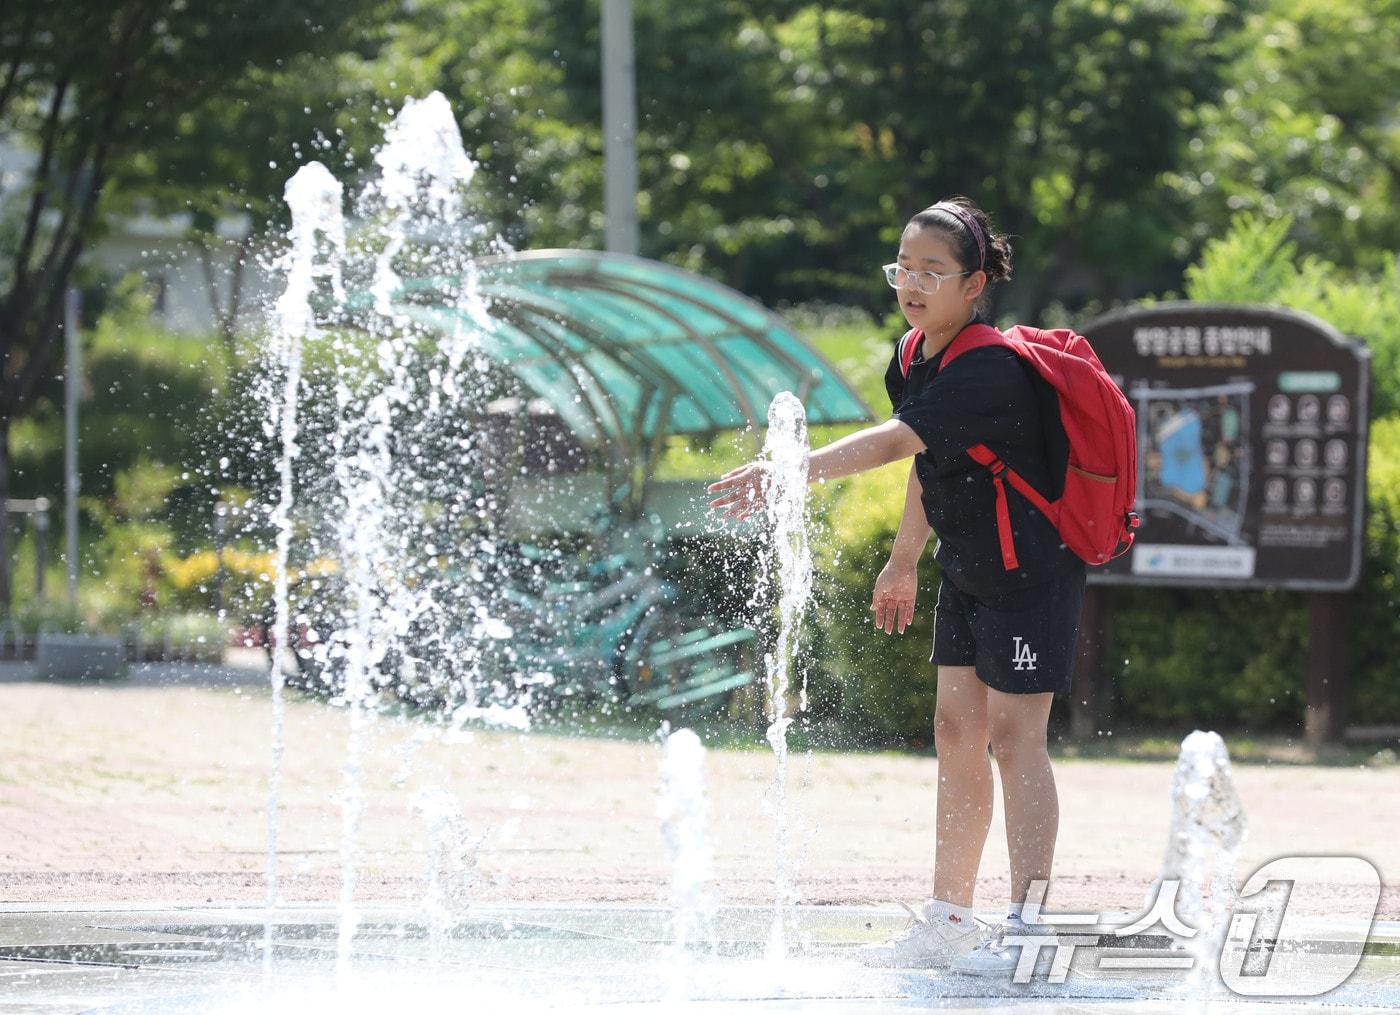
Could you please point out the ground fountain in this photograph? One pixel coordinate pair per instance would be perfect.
(396, 454)
(451, 867)
(393, 454)
(392, 479)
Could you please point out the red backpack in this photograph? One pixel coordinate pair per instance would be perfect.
(1094, 515)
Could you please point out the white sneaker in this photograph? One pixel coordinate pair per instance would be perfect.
(937, 934)
(1000, 950)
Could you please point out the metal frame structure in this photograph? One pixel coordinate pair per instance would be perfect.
(629, 351)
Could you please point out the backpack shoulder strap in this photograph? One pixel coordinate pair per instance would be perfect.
(908, 345)
(974, 336)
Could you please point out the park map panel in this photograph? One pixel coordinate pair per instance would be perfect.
(1251, 427)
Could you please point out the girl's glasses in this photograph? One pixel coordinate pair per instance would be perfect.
(920, 281)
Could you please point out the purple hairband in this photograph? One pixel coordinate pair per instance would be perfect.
(965, 217)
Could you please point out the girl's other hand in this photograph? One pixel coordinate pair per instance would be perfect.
(894, 595)
(742, 490)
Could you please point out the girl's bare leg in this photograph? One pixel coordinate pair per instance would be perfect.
(960, 735)
(1018, 727)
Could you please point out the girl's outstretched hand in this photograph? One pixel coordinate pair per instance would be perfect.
(893, 599)
(741, 490)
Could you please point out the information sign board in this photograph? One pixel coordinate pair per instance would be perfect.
(1252, 425)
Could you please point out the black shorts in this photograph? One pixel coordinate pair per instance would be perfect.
(1022, 642)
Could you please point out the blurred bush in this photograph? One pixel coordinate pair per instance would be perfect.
(1376, 620)
(1204, 656)
(879, 687)
(35, 615)
(191, 637)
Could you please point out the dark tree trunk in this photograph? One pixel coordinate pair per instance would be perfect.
(226, 311)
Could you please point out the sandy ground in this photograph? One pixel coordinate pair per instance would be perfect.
(128, 793)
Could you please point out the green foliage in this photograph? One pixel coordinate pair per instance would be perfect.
(781, 146)
(858, 346)
(148, 396)
(1252, 263)
(1111, 139)
(881, 686)
(34, 615)
(1256, 261)
(1304, 127)
(1208, 657)
(94, 90)
(159, 413)
(1376, 623)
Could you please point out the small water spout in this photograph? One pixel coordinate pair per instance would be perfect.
(1208, 827)
(452, 856)
(684, 819)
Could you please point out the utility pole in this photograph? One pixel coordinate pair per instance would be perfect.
(619, 128)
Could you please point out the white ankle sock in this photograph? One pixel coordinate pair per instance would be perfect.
(954, 914)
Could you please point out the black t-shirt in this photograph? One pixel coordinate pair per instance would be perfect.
(986, 396)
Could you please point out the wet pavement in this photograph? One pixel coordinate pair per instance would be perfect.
(618, 958)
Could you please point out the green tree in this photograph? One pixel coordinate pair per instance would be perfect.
(781, 145)
(85, 85)
(1306, 127)
(226, 166)
(525, 79)
(1060, 118)
(1259, 261)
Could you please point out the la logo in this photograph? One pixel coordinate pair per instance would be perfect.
(1023, 657)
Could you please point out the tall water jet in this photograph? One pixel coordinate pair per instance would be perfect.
(412, 417)
(786, 569)
(1208, 827)
(396, 406)
(362, 474)
(316, 245)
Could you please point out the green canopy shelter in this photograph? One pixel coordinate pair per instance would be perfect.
(628, 351)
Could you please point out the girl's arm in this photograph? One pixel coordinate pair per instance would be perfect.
(897, 588)
(741, 489)
(864, 450)
(914, 528)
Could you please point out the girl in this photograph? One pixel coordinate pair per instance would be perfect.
(1004, 637)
